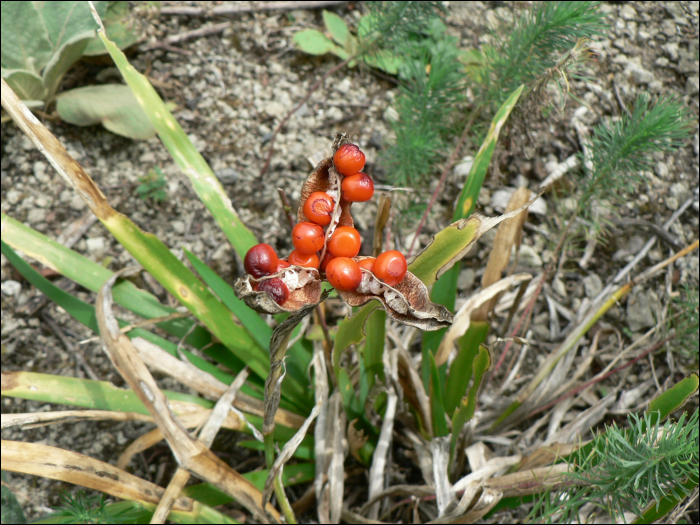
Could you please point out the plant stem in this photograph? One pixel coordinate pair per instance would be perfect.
(279, 489)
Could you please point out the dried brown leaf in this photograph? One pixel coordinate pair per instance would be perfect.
(304, 286)
(408, 302)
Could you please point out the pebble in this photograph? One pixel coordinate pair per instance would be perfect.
(637, 72)
(228, 175)
(639, 313)
(36, 215)
(40, 171)
(76, 203)
(344, 86)
(14, 196)
(96, 247)
(466, 279)
(178, 227)
(692, 85)
(529, 257)
(592, 285)
(671, 50)
(680, 191)
(10, 288)
(661, 169)
(275, 109)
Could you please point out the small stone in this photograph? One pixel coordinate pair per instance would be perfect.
(147, 158)
(390, 115)
(639, 313)
(692, 85)
(661, 62)
(14, 196)
(592, 285)
(11, 289)
(275, 109)
(627, 12)
(344, 86)
(76, 203)
(228, 175)
(661, 169)
(178, 227)
(671, 50)
(96, 247)
(638, 73)
(222, 252)
(680, 191)
(40, 171)
(529, 257)
(462, 169)
(466, 279)
(36, 215)
(668, 27)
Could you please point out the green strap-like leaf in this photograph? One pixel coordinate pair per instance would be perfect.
(437, 407)
(674, 398)
(445, 290)
(467, 406)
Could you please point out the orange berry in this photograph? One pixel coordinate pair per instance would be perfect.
(390, 267)
(318, 208)
(260, 260)
(326, 259)
(276, 288)
(345, 242)
(366, 264)
(307, 237)
(358, 188)
(309, 260)
(348, 160)
(344, 274)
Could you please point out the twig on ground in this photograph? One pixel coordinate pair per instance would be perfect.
(79, 359)
(187, 35)
(224, 10)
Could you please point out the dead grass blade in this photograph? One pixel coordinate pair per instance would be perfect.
(40, 419)
(462, 318)
(320, 431)
(190, 454)
(287, 452)
(379, 458)
(71, 467)
(440, 447)
(509, 234)
(206, 436)
(158, 359)
(336, 471)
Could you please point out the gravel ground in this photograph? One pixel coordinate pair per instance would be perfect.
(231, 91)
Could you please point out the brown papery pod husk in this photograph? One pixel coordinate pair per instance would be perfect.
(408, 302)
(304, 289)
(325, 178)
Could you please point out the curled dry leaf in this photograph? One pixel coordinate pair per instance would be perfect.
(408, 302)
(304, 286)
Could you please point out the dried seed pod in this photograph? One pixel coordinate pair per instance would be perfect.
(326, 179)
(408, 302)
(304, 286)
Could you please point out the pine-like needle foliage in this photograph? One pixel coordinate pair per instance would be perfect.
(534, 44)
(620, 151)
(626, 469)
(432, 88)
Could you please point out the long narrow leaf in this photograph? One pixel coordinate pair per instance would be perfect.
(445, 289)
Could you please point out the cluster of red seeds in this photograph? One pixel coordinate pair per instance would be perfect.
(341, 270)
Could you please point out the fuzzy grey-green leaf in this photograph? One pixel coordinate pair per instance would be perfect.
(112, 105)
